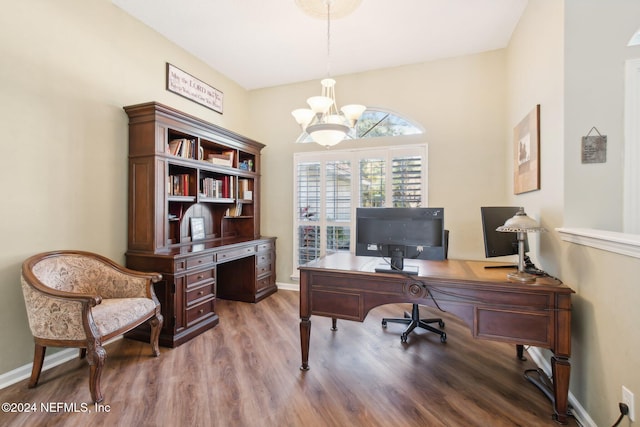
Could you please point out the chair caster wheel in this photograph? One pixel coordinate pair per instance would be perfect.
(403, 339)
(443, 338)
(384, 323)
(441, 324)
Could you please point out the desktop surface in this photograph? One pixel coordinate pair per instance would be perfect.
(345, 286)
(449, 269)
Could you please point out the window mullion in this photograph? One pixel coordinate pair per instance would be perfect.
(323, 208)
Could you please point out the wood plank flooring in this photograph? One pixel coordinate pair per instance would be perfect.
(245, 372)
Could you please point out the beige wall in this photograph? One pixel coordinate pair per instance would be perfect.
(606, 341)
(595, 54)
(461, 104)
(575, 70)
(68, 68)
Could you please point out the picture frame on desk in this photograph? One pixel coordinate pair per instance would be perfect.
(197, 228)
(526, 153)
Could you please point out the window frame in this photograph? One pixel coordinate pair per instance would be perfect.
(354, 155)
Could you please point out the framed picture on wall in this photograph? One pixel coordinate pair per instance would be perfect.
(526, 149)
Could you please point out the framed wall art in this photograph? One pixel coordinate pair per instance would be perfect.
(184, 84)
(526, 149)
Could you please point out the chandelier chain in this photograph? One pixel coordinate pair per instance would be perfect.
(328, 38)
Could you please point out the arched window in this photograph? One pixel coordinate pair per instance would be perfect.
(376, 122)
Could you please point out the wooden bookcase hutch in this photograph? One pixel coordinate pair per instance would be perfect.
(194, 216)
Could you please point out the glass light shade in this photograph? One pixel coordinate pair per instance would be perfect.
(327, 134)
(303, 116)
(520, 222)
(320, 104)
(353, 112)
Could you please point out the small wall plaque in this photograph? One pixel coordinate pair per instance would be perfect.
(184, 84)
(594, 147)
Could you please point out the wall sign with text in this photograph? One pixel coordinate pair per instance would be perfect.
(184, 84)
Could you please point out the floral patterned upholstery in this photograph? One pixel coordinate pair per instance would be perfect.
(79, 299)
(124, 297)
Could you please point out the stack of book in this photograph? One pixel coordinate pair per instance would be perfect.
(217, 188)
(178, 185)
(224, 159)
(183, 147)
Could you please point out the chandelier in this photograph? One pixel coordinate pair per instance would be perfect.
(322, 121)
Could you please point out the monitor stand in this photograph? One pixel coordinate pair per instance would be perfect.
(408, 269)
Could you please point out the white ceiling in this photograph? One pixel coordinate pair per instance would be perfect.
(263, 43)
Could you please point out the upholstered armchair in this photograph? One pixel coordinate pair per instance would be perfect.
(81, 299)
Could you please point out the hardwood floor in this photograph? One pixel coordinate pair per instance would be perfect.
(245, 372)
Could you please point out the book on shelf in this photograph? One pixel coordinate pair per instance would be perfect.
(178, 185)
(182, 147)
(243, 189)
(222, 188)
(175, 212)
(235, 210)
(224, 159)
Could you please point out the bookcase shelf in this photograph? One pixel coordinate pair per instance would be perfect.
(185, 171)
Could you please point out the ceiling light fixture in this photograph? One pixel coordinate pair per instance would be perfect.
(322, 121)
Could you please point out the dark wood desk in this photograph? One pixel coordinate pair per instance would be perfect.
(343, 286)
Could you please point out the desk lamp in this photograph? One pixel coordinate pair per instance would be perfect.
(520, 223)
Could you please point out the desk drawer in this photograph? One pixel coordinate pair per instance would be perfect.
(200, 311)
(199, 261)
(263, 269)
(264, 283)
(236, 253)
(265, 247)
(200, 276)
(264, 258)
(200, 292)
(515, 326)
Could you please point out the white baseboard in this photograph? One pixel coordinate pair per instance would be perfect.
(51, 361)
(580, 414)
(289, 286)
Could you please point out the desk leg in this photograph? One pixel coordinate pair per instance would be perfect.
(561, 370)
(305, 335)
(520, 352)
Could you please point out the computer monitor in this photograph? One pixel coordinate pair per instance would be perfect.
(400, 233)
(498, 243)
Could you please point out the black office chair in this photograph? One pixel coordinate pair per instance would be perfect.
(413, 320)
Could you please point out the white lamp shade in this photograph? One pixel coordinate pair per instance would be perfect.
(320, 104)
(353, 112)
(327, 134)
(520, 222)
(303, 116)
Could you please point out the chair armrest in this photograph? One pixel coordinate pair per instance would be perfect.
(128, 283)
